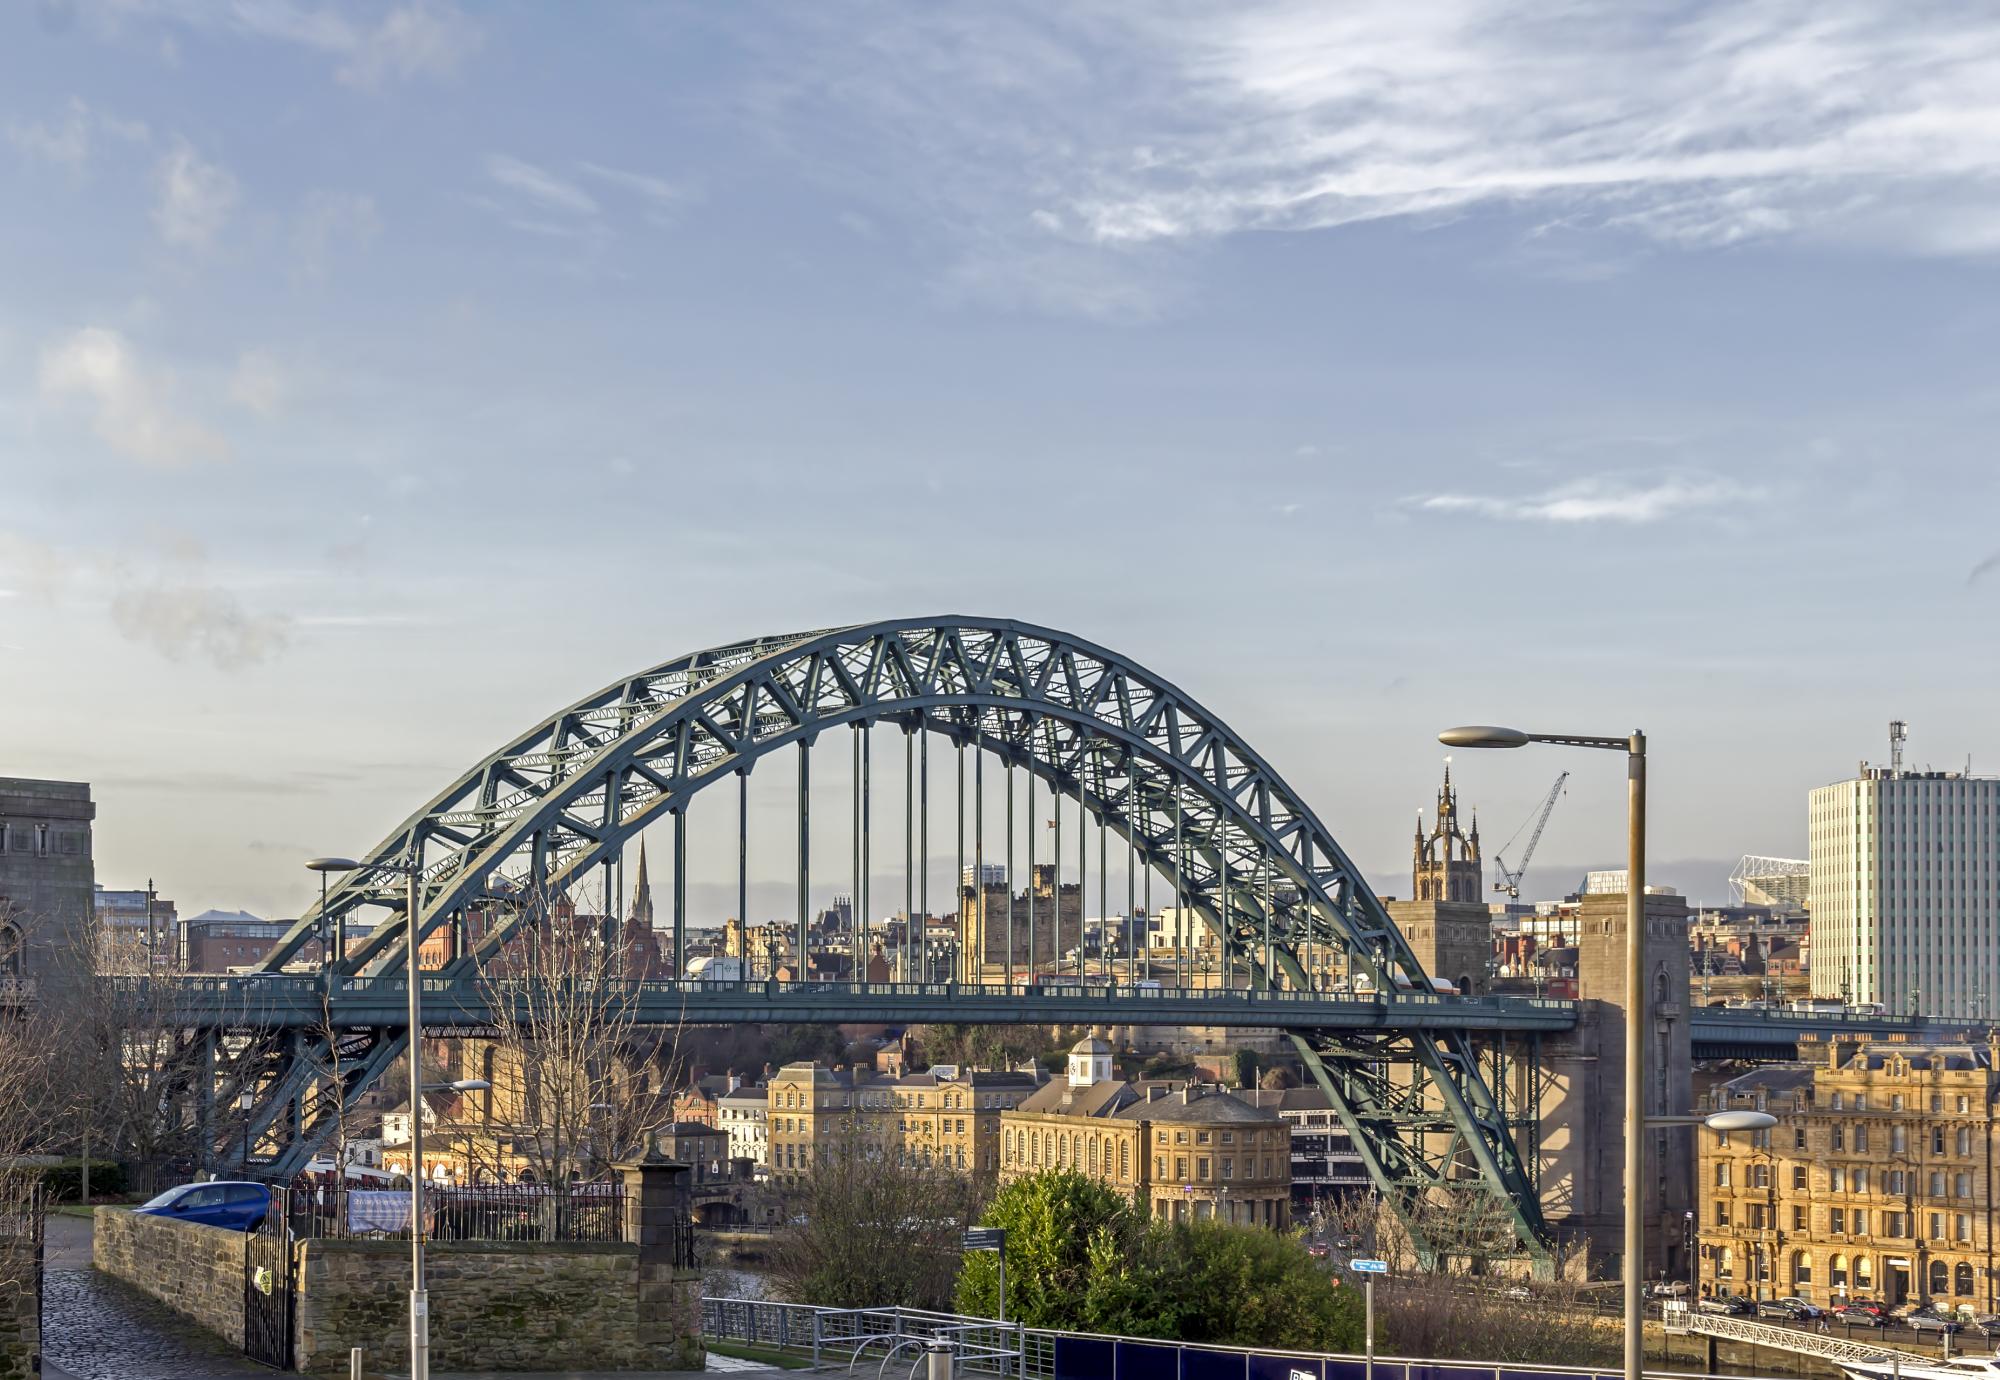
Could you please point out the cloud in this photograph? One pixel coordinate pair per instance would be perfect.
(132, 415)
(68, 142)
(259, 384)
(195, 197)
(1599, 498)
(328, 219)
(1113, 129)
(662, 199)
(201, 621)
(422, 38)
(417, 40)
(538, 185)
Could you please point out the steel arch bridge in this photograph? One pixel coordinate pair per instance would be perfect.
(1189, 797)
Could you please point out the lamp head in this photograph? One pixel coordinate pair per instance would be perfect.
(1740, 1121)
(1483, 736)
(332, 865)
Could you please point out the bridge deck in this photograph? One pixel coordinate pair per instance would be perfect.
(289, 1000)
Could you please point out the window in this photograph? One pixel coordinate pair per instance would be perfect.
(1125, 1160)
(1961, 1226)
(1860, 1136)
(1836, 1221)
(1799, 1138)
(1940, 1278)
(1895, 1102)
(1839, 1138)
(1798, 1219)
(1895, 1182)
(1963, 1141)
(1937, 1183)
(1802, 1267)
(1725, 1263)
(1964, 1104)
(1228, 1167)
(1160, 1167)
(1180, 1168)
(1836, 1180)
(1722, 1174)
(1864, 1272)
(1760, 1176)
(1861, 1102)
(1899, 1141)
(1860, 1222)
(1722, 1214)
(1937, 1140)
(1860, 1181)
(1937, 1103)
(1837, 1272)
(1836, 1102)
(1798, 1176)
(1961, 1280)
(1961, 1185)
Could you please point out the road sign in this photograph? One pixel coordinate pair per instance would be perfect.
(985, 1238)
(1369, 1267)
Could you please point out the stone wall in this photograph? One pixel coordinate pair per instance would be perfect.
(196, 1271)
(20, 1311)
(494, 1306)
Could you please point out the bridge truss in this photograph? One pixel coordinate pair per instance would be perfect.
(1189, 799)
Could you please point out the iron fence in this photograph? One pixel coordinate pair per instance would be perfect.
(500, 1212)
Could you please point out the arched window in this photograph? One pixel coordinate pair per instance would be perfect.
(1940, 1278)
(10, 950)
(1864, 1273)
(1961, 1280)
(1725, 1263)
(1837, 1272)
(1801, 1267)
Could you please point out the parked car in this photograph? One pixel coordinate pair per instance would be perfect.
(1860, 1313)
(1669, 1288)
(1988, 1323)
(1729, 1304)
(1933, 1322)
(230, 1204)
(1801, 1309)
(1790, 1309)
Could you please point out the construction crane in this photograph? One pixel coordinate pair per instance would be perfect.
(1512, 884)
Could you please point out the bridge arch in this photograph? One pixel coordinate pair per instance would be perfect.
(1192, 799)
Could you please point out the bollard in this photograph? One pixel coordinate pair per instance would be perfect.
(937, 1361)
(354, 1365)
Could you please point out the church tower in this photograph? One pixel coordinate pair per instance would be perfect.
(1447, 866)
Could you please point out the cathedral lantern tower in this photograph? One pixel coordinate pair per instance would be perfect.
(1447, 865)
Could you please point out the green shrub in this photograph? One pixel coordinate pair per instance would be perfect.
(64, 1180)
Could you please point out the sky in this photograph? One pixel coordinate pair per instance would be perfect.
(376, 378)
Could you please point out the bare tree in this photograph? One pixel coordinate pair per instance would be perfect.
(36, 1103)
(578, 1082)
(1470, 1293)
(871, 1227)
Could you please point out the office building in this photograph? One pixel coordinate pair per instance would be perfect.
(1877, 1182)
(1906, 891)
(1192, 1151)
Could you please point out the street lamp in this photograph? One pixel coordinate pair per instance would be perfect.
(325, 867)
(245, 1100)
(413, 872)
(1634, 748)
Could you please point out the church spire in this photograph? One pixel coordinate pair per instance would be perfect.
(642, 892)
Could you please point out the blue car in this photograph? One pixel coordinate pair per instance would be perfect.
(232, 1205)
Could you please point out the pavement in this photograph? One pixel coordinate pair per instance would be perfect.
(95, 1327)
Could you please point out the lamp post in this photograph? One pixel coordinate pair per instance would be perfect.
(1634, 748)
(420, 1330)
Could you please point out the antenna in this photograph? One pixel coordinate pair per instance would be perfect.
(1899, 733)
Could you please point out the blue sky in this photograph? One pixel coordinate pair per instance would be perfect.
(375, 378)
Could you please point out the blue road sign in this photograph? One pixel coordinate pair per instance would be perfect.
(1369, 1267)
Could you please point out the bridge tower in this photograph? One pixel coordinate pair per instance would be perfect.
(1447, 924)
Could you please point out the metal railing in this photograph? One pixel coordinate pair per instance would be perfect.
(852, 1336)
(501, 1212)
(1803, 1343)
